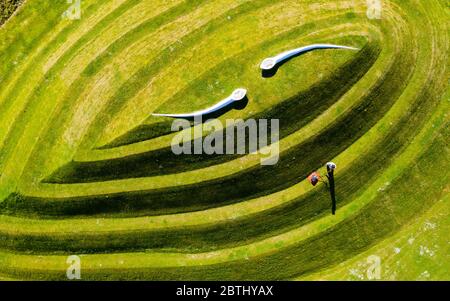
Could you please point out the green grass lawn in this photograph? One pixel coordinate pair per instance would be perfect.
(86, 170)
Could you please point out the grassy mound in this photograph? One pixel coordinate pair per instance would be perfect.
(85, 170)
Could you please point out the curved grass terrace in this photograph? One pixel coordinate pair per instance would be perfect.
(86, 170)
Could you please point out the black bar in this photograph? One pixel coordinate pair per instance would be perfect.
(224, 290)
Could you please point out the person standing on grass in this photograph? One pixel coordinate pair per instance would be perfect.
(330, 175)
(315, 178)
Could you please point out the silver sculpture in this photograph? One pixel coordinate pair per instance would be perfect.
(237, 95)
(270, 63)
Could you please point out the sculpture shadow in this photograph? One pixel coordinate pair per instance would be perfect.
(238, 105)
(150, 131)
(272, 72)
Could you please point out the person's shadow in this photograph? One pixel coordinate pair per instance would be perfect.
(332, 189)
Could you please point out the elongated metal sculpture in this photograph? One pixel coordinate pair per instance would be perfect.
(237, 95)
(271, 62)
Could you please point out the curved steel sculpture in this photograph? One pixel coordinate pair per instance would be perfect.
(270, 63)
(237, 95)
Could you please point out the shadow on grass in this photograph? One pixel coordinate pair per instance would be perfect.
(272, 72)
